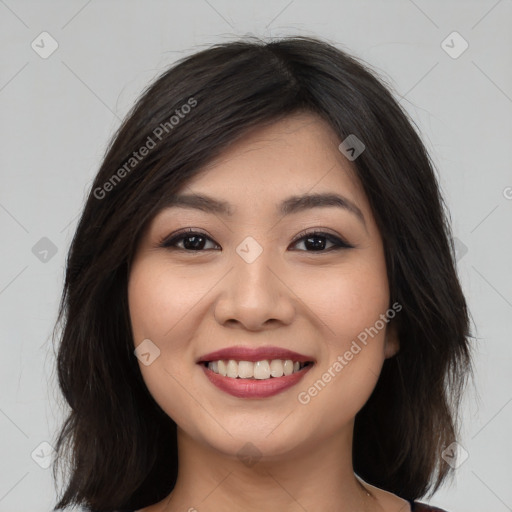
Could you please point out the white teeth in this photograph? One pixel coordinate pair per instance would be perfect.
(288, 367)
(246, 369)
(260, 370)
(222, 368)
(232, 369)
(276, 368)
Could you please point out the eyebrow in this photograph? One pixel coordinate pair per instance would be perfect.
(291, 205)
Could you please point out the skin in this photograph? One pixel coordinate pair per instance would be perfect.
(313, 302)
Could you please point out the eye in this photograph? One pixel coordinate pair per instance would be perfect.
(317, 241)
(196, 241)
(192, 241)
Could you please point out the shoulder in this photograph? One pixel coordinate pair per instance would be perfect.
(390, 501)
(421, 507)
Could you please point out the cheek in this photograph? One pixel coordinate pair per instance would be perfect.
(348, 300)
(160, 298)
(159, 301)
(350, 304)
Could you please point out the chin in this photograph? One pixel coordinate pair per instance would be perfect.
(243, 437)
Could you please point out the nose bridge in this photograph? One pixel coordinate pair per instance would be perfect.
(252, 294)
(252, 269)
(253, 283)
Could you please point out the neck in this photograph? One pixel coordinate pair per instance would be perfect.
(312, 478)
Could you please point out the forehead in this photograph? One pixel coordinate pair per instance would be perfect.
(293, 156)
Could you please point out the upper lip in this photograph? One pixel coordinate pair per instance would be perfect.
(253, 354)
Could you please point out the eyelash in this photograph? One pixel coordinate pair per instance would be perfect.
(338, 243)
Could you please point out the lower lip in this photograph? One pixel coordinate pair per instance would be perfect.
(255, 388)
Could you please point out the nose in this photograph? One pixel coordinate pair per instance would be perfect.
(253, 296)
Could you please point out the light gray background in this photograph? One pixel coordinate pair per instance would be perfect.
(58, 113)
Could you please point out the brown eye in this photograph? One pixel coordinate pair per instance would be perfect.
(190, 240)
(317, 242)
(196, 241)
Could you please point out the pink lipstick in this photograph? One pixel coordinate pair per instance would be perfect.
(248, 372)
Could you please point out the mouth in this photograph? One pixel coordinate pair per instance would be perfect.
(255, 373)
(258, 370)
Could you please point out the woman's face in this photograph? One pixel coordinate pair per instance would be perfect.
(252, 280)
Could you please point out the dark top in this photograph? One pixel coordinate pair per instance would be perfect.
(421, 507)
(415, 507)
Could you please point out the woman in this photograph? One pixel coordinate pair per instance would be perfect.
(262, 288)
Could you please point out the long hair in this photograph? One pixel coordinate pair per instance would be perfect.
(119, 445)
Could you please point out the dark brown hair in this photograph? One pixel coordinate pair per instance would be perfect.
(121, 445)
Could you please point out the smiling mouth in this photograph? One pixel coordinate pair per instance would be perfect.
(257, 370)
